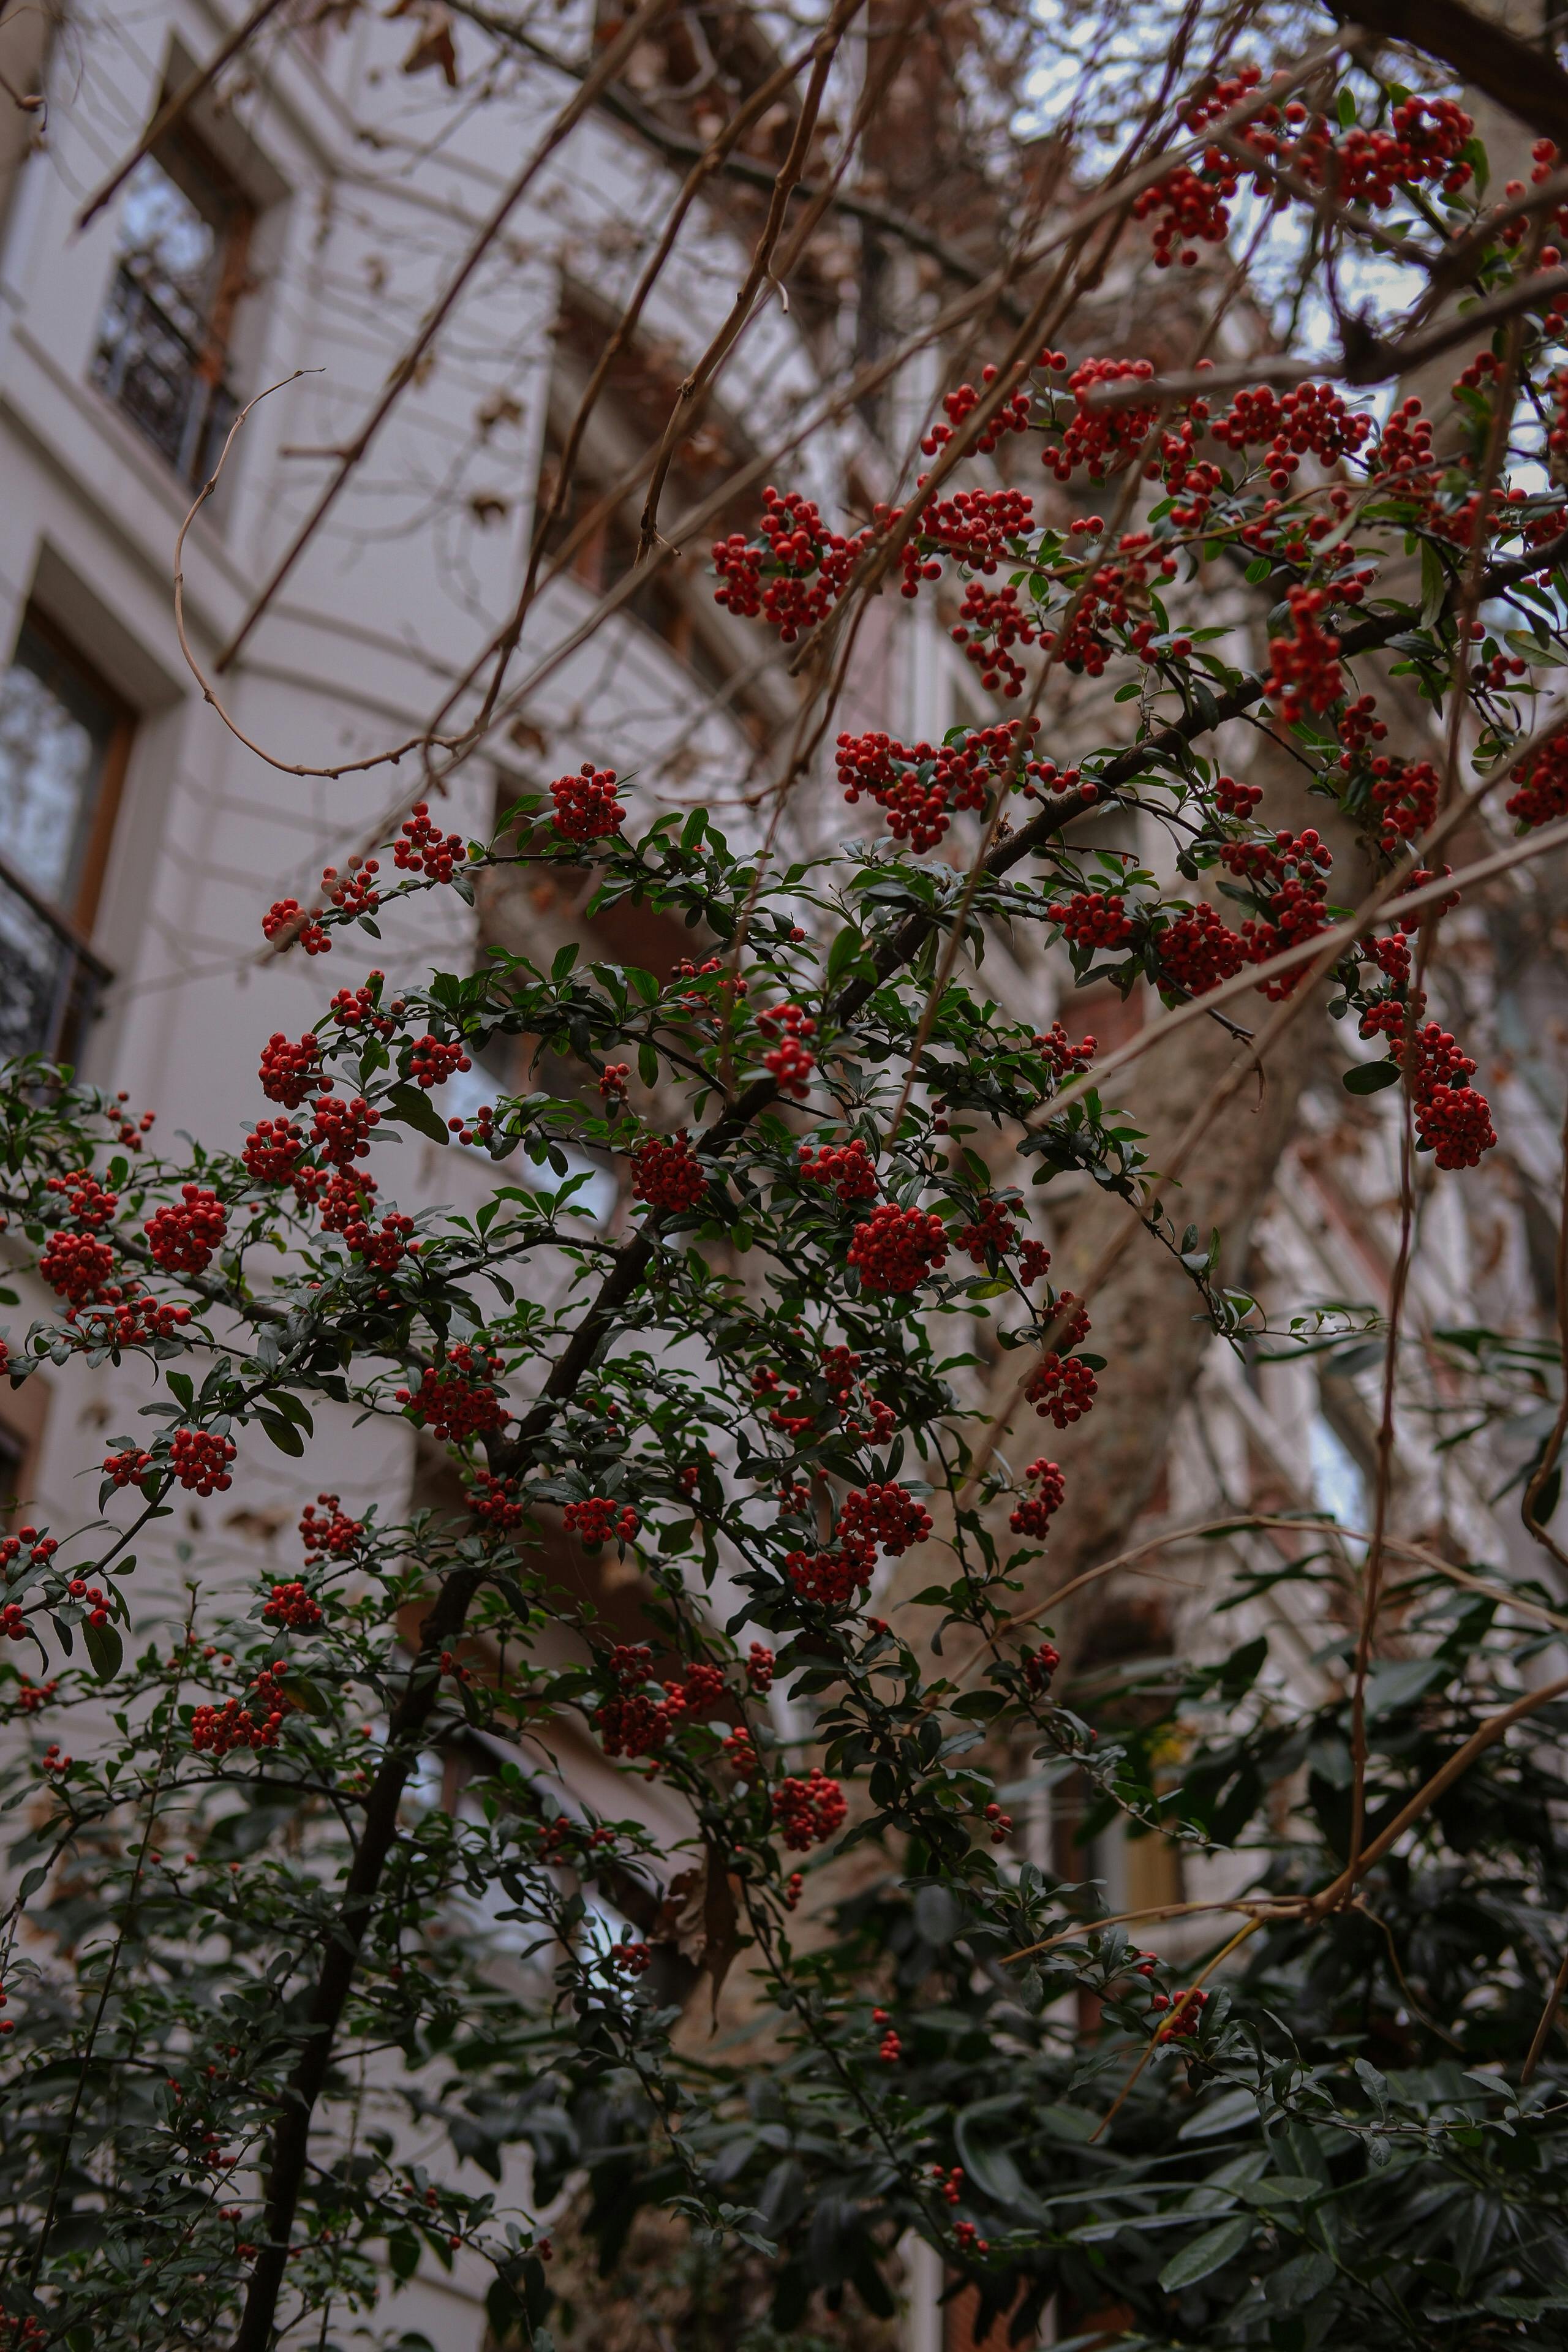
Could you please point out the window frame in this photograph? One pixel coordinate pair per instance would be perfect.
(189, 162)
(79, 914)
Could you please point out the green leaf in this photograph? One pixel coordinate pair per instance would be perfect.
(845, 951)
(1259, 569)
(1369, 1077)
(1434, 583)
(308, 1694)
(402, 2254)
(414, 1108)
(283, 1433)
(647, 1065)
(104, 1647)
(1209, 2252)
(1298, 2282)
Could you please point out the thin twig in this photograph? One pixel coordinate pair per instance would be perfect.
(1539, 2038)
(695, 385)
(1163, 2033)
(1552, 1448)
(170, 112)
(403, 372)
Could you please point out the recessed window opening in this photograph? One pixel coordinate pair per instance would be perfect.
(167, 323)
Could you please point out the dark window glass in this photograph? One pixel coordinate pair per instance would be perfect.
(56, 731)
(162, 338)
(62, 747)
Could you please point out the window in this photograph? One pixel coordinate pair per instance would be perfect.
(64, 740)
(163, 346)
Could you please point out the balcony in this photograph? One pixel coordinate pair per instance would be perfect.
(163, 381)
(52, 983)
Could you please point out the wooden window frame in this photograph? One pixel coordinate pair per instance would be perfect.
(81, 914)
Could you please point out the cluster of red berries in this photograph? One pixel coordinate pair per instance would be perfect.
(353, 893)
(1034, 1261)
(809, 566)
(598, 1519)
(129, 1131)
(921, 786)
(89, 1204)
(991, 1234)
(831, 1580)
(421, 848)
(739, 1753)
(999, 1824)
(126, 1317)
(1452, 1119)
(13, 1621)
(1404, 795)
(845, 1166)
(130, 1468)
(760, 1668)
(807, 1813)
(613, 1079)
(976, 527)
(1062, 1388)
(215, 1730)
(587, 808)
(455, 1401)
(896, 1248)
(341, 1125)
(948, 2186)
(184, 1234)
(1012, 416)
(1289, 873)
(291, 1606)
(384, 1246)
(990, 622)
(668, 1174)
(1096, 919)
(1101, 438)
(1404, 458)
(289, 1069)
(969, 2239)
(431, 1062)
(360, 1008)
(630, 1960)
(288, 915)
(1063, 1058)
(1034, 1512)
(1542, 778)
(890, 2049)
(272, 1150)
(1312, 420)
(1304, 669)
(1424, 142)
(494, 1500)
(1193, 205)
(1185, 2013)
(631, 1722)
(1109, 598)
(199, 1459)
(1039, 1664)
(40, 1549)
(1199, 949)
(888, 1514)
(77, 1266)
(790, 1062)
(31, 1696)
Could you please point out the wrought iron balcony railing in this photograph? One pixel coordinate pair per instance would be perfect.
(150, 368)
(51, 982)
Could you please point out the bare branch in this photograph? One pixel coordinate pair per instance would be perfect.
(402, 375)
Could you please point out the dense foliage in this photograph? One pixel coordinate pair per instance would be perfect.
(253, 1952)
